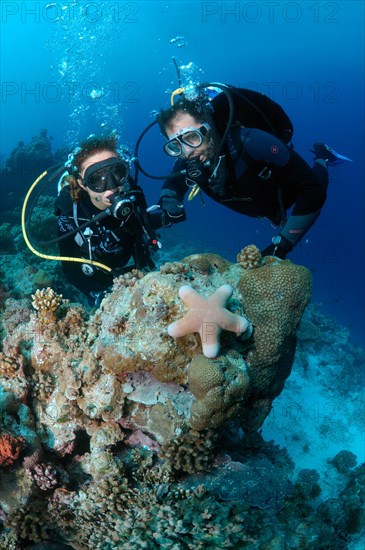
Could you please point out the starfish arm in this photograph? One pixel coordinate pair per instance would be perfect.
(185, 325)
(232, 322)
(209, 335)
(209, 317)
(221, 295)
(211, 349)
(190, 297)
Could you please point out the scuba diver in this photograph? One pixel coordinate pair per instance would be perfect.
(102, 217)
(235, 146)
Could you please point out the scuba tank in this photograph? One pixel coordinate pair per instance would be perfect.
(253, 110)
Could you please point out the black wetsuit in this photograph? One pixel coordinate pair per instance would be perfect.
(112, 242)
(259, 176)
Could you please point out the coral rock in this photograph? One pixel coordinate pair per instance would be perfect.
(10, 448)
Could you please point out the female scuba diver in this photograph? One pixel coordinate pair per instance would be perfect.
(102, 217)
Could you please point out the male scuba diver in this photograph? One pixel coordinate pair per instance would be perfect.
(236, 149)
(102, 217)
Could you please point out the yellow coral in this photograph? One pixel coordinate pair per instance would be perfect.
(249, 257)
(46, 302)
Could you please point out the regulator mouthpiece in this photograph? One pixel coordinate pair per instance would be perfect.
(121, 207)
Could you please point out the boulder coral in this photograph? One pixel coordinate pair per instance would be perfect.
(220, 387)
(274, 297)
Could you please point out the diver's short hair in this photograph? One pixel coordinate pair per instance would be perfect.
(197, 109)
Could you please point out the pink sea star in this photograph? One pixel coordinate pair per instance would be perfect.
(209, 317)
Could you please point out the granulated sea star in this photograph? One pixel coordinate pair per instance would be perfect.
(209, 317)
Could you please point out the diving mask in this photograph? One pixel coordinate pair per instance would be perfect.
(106, 175)
(192, 137)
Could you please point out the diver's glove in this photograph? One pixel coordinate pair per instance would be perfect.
(171, 211)
(279, 248)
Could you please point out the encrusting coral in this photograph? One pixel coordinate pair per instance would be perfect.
(10, 448)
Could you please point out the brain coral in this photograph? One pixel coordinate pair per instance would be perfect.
(220, 387)
(207, 263)
(274, 297)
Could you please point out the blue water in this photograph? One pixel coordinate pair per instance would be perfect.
(306, 55)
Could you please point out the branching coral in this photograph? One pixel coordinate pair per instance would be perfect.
(128, 280)
(46, 302)
(45, 476)
(190, 452)
(177, 268)
(11, 363)
(32, 523)
(72, 325)
(249, 257)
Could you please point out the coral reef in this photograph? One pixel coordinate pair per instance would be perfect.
(344, 461)
(24, 163)
(6, 239)
(113, 431)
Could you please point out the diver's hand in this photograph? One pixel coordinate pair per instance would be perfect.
(165, 215)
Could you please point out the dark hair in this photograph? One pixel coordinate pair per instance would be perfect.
(94, 145)
(198, 109)
(86, 149)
